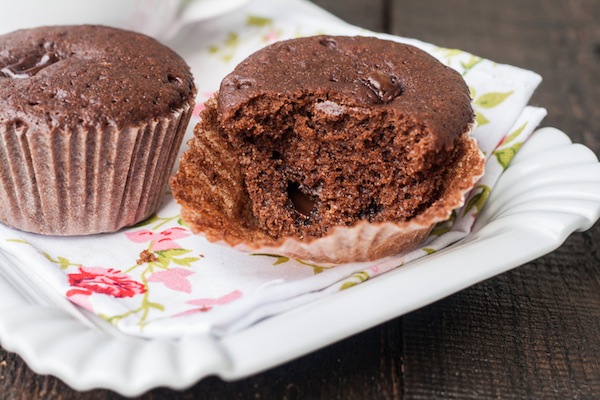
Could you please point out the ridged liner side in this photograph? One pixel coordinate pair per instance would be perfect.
(87, 179)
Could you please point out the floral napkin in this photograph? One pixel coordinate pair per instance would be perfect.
(157, 279)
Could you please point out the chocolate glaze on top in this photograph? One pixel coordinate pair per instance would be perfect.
(88, 75)
(356, 72)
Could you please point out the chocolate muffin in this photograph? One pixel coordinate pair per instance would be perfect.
(356, 142)
(91, 119)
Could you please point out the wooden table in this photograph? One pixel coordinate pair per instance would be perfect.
(533, 332)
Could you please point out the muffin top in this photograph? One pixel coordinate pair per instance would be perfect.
(88, 75)
(363, 72)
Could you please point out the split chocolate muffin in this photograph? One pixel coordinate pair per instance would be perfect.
(91, 120)
(332, 149)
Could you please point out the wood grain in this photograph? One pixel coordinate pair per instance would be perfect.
(558, 39)
(531, 333)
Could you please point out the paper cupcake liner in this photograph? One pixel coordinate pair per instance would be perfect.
(86, 180)
(371, 241)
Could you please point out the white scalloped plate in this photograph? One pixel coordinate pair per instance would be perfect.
(551, 189)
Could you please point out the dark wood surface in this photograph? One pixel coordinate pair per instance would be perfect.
(533, 332)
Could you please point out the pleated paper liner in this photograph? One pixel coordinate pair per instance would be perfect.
(86, 179)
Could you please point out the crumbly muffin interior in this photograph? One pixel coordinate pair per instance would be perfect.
(311, 134)
(307, 163)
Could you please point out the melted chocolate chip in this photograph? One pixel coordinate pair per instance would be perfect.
(29, 66)
(301, 201)
(386, 87)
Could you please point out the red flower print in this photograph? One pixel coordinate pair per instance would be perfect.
(501, 142)
(107, 281)
(81, 297)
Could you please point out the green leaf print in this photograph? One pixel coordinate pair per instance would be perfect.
(429, 250)
(18, 241)
(515, 134)
(506, 154)
(147, 221)
(479, 199)
(232, 39)
(481, 119)
(348, 285)
(448, 54)
(472, 92)
(185, 262)
(317, 269)
(166, 257)
(492, 99)
(62, 262)
(279, 259)
(444, 226)
(257, 21)
(157, 306)
(473, 61)
(359, 277)
(228, 48)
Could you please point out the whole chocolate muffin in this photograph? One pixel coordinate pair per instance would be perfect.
(91, 119)
(309, 135)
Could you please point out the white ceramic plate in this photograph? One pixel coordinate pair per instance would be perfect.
(551, 189)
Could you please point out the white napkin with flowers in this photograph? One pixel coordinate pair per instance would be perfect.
(158, 280)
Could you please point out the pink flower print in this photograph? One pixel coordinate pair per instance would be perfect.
(164, 240)
(106, 281)
(200, 106)
(207, 304)
(271, 36)
(174, 279)
(81, 297)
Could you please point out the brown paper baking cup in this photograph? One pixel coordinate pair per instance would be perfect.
(86, 180)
